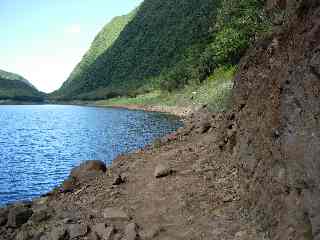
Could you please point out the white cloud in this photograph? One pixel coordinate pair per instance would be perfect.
(74, 28)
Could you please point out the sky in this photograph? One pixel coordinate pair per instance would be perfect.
(43, 40)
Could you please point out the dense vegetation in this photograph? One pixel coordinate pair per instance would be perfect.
(165, 45)
(16, 88)
(101, 43)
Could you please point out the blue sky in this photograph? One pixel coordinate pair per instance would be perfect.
(43, 40)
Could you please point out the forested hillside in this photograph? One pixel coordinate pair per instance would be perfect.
(164, 45)
(101, 43)
(16, 88)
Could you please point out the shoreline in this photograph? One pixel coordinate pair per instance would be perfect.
(174, 110)
(137, 187)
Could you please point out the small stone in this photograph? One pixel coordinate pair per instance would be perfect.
(68, 185)
(118, 236)
(162, 170)
(40, 216)
(77, 230)
(104, 233)
(131, 232)
(115, 214)
(23, 235)
(67, 221)
(18, 216)
(58, 233)
(152, 232)
(241, 235)
(204, 127)
(119, 180)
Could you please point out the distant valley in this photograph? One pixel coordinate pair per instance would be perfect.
(16, 89)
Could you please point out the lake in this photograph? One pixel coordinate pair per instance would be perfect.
(40, 144)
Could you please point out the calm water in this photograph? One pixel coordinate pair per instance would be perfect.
(40, 144)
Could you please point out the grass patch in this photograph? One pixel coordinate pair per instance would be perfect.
(215, 91)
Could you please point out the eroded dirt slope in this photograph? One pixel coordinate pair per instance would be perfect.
(276, 95)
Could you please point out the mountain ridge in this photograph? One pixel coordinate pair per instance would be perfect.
(14, 76)
(14, 87)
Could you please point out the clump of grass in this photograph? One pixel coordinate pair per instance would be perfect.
(215, 91)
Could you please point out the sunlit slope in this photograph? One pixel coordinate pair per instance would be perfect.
(164, 45)
(158, 36)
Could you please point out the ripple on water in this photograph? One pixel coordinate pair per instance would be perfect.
(40, 144)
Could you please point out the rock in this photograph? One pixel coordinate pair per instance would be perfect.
(131, 232)
(240, 235)
(23, 235)
(57, 233)
(119, 180)
(68, 215)
(103, 232)
(3, 216)
(152, 232)
(88, 167)
(204, 126)
(18, 216)
(68, 185)
(118, 236)
(162, 170)
(67, 221)
(115, 214)
(40, 216)
(40, 236)
(77, 230)
(172, 137)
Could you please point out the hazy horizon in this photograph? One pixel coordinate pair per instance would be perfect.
(45, 40)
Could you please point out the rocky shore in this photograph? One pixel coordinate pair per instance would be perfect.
(174, 110)
(185, 186)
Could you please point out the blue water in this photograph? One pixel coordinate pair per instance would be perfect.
(40, 144)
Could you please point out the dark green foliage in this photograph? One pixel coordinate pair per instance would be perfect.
(16, 88)
(101, 43)
(239, 23)
(165, 44)
(157, 38)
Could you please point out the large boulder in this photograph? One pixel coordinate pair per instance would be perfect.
(19, 215)
(83, 174)
(88, 168)
(3, 216)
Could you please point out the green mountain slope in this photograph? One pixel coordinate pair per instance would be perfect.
(163, 45)
(16, 88)
(101, 43)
